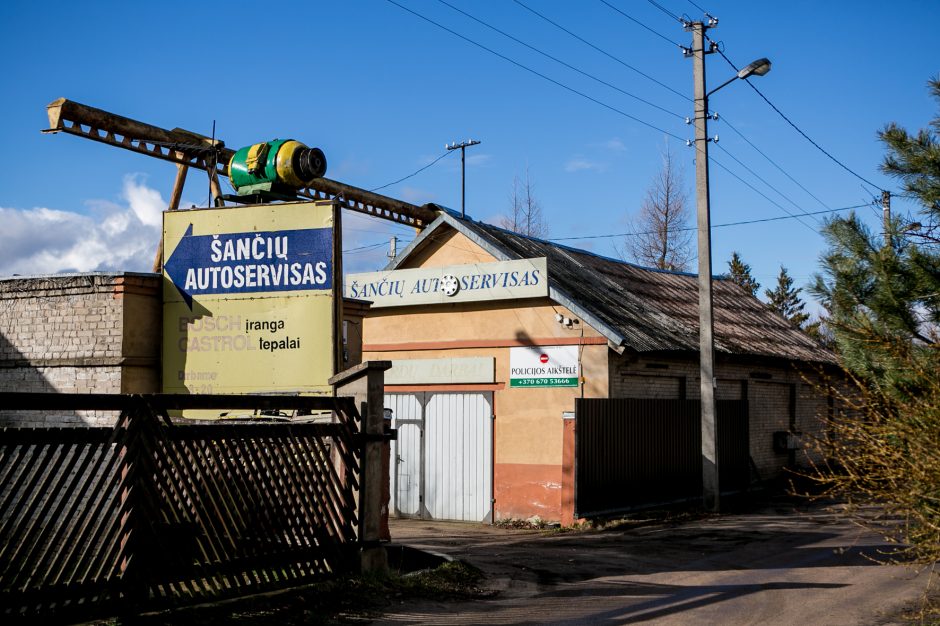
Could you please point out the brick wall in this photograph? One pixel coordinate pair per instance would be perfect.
(78, 333)
(780, 397)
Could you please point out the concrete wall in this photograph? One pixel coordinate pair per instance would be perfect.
(780, 397)
(80, 333)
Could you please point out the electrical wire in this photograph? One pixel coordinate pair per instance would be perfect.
(604, 52)
(537, 73)
(680, 20)
(758, 177)
(761, 194)
(721, 52)
(772, 162)
(415, 173)
(663, 9)
(795, 127)
(724, 225)
(596, 101)
(690, 100)
(557, 60)
(638, 22)
(364, 248)
(698, 7)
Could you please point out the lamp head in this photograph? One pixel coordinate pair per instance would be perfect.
(756, 68)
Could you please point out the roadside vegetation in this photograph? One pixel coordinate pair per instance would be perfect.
(882, 291)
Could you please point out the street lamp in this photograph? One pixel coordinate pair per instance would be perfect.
(710, 484)
(757, 68)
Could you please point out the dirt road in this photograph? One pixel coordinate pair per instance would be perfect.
(776, 565)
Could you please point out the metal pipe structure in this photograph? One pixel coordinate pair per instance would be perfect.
(197, 151)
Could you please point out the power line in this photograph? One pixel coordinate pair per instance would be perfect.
(604, 52)
(795, 127)
(661, 8)
(537, 73)
(592, 99)
(557, 60)
(698, 7)
(772, 162)
(758, 177)
(680, 20)
(415, 173)
(638, 22)
(761, 194)
(725, 225)
(689, 99)
(364, 248)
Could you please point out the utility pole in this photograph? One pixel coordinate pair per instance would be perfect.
(463, 170)
(710, 483)
(710, 489)
(886, 215)
(393, 248)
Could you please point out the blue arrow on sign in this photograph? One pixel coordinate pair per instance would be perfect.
(283, 260)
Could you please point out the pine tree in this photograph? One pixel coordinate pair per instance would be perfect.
(886, 291)
(785, 299)
(883, 294)
(740, 274)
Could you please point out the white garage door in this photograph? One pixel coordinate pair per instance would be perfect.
(443, 456)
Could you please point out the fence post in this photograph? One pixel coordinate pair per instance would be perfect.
(366, 384)
(132, 516)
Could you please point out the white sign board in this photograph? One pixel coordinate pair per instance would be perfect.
(473, 282)
(552, 366)
(479, 369)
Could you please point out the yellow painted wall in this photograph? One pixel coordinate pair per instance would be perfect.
(529, 426)
(528, 421)
(449, 247)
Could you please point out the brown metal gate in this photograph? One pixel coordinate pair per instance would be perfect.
(632, 453)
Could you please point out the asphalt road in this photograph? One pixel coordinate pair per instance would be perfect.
(776, 565)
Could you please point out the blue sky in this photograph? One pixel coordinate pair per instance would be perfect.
(381, 91)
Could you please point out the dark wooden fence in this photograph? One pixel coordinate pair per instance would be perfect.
(151, 513)
(632, 453)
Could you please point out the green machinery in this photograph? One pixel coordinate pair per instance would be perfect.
(275, 170)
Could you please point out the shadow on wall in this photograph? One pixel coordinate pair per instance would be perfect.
(17, 374)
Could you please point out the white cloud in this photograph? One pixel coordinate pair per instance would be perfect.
(414, 195)
(580, 164)
(478, 159)
(116, 237)
(146, 203)
(615, 145)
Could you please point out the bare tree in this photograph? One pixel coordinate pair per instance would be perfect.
(660, 238)
(525, 212)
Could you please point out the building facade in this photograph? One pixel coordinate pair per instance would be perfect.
(481, 438)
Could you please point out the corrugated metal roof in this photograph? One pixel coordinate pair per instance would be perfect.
(650, 310)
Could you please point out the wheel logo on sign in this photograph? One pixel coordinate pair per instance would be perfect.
(450, 285)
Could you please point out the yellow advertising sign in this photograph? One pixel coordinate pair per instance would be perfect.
(249, 299)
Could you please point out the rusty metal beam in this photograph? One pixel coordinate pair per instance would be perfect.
(193, 150)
